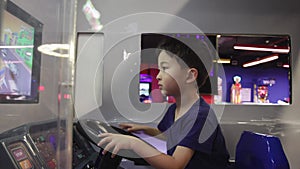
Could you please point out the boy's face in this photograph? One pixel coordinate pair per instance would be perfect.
(171, 75)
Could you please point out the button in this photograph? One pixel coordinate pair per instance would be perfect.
(42, 138)
(52, 164)
(19, 154)
(80, 156)
(26, 164)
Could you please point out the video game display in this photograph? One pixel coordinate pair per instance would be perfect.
(16, 56)
(19, 60)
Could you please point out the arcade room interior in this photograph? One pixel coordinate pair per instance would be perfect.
(77, 75)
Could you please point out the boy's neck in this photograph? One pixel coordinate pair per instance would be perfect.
(184, 103)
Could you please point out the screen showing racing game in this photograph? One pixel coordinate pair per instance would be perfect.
(19, 58)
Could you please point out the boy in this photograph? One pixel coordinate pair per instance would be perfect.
(189, 145)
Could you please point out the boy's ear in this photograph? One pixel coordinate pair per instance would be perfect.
(192, 75)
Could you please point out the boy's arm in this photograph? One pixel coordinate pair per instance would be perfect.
(179, 160)
(157, 159)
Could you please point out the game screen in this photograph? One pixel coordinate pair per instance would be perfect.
(17, 58)
(145, 92)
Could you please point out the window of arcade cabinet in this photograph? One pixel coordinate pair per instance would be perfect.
(257, 69)
(251, 69)
(148, 85)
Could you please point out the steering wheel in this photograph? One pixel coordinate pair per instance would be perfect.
(92, 128)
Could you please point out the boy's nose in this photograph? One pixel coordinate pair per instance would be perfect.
(158, 76)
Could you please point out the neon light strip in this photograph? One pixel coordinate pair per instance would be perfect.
(263, 60)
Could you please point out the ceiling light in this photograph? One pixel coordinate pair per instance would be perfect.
(264, 48)
(262, 60)
(286, 65)
(221, 60)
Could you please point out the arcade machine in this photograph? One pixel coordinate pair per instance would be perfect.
(42, 143)
(38, 143)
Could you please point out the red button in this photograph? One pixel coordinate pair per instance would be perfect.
(51, 164)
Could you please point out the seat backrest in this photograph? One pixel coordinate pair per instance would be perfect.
(260, 151)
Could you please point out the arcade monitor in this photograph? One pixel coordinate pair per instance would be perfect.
(20, 34)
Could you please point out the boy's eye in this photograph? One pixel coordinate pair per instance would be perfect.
(163, 68)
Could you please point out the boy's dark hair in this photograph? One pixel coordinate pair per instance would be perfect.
(185, 54)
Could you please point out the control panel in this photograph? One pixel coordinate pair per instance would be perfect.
(33, 146)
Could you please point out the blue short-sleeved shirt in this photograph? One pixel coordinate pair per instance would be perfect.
(198, 129)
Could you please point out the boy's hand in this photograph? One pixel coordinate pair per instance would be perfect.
(132, 127)
(115, 142)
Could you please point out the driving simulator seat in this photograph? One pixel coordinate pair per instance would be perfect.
(260, 151)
